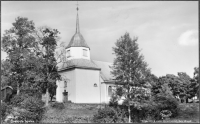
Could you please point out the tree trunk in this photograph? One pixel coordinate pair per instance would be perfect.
(129, 114)
(186, 99)
(18, 91)
(129, 109)
(47, 97)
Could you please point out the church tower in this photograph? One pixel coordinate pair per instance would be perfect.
(77, 47)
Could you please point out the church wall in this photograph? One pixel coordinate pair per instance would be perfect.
(71, 86)
(77, 53)
(103, 92)
(86, 92)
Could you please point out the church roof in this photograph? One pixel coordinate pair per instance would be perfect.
(105, 67)
(105, 70)
(77, 40)
(77, 63)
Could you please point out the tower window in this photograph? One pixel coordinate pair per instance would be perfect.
(85, 52)
(68, 53)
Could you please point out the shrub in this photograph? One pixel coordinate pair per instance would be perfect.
(159, 103)
(188, 110)
(108, 115)
(113, 101)
(58, 105)
(33, 109)
(4, 109)
(18, 99)
(8, 98)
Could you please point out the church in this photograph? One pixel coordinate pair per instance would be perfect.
(88, 81)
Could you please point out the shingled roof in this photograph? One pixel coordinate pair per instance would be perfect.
(77, 40)
(105, 70)
(77, 63)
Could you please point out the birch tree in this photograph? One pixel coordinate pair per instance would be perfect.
(129, 69)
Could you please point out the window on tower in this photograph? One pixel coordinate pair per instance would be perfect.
(68, 53)
(85, 52)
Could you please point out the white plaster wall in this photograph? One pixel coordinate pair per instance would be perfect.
(105, 98)
(85, 90)
(59, 90)
(71, 86)
(77, 53)
(103, 91)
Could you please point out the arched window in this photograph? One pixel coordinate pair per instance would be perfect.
(109, 91)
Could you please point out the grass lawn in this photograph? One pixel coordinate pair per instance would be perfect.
(82, 113)
(71, 113)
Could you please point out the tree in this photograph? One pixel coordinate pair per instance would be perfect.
(182, 86)
(20, 45)
(129, 68)
(196, 78)
(48, 61)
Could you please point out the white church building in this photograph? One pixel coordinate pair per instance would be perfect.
(88, 81)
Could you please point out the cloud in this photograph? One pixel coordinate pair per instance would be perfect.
(189, 38)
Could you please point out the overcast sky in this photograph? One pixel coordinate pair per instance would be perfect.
(167, 31)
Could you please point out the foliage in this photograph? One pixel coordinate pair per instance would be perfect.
(58, 105)
(129, 68)
(8, 98)
(31, 89)
(153, 105)
(182, 86)
(5, 110)
(188, 110)
(52, 90)
(20, 46)
(163, 101)
(33, 109)
(108, 115)
(196, 78)
(48, 62)
(30, 66)
(113, 101)
(18, 99)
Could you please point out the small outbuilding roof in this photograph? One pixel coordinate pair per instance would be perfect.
(6, 87)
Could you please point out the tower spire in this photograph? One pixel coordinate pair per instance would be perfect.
(77, 20)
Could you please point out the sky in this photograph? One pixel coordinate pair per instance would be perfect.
(167, 31)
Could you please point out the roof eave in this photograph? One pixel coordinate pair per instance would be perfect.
(81, 67)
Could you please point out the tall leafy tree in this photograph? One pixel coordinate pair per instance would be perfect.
(48, 61)
(129, 69)
(182, 86)
(196, 78)
(19, 44)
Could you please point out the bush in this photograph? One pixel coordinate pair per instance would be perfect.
(108, 115)
(113, 101)
(8, 98)
(159, 103)
(188, 110)
(32, 109)
(58, 105)
(4, 110)
(18, 99)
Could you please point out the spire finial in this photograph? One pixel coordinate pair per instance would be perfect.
(77, 20)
